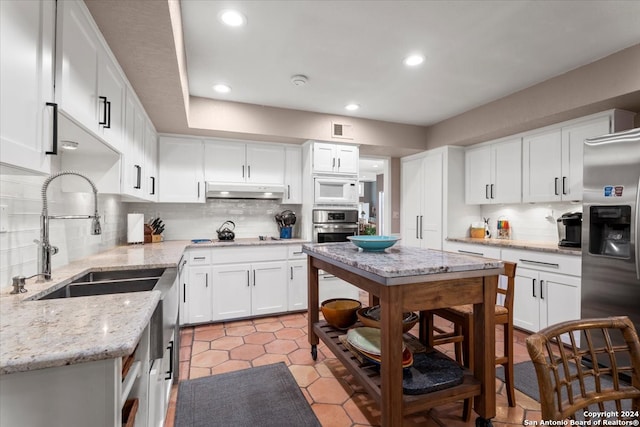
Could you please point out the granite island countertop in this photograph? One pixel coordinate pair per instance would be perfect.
(49, 333)
(395, 265)
(551, 247)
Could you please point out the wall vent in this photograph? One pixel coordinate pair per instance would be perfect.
(341, 131)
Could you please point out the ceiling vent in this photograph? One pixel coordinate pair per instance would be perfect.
(341, 131)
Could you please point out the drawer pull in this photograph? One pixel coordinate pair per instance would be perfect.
(470, 252)
(544, 264)
(198, 257)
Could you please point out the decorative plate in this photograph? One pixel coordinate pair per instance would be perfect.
(366, 339)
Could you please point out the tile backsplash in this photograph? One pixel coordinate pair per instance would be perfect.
(22, 197)
(536, 222)
(186, 221)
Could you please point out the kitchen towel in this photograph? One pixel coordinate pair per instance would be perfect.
(265, 396)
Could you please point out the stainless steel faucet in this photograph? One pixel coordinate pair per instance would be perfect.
(45, 250)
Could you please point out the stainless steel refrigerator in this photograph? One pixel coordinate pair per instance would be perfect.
(611, 219)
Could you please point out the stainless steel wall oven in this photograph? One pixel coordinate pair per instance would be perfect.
(334, 225)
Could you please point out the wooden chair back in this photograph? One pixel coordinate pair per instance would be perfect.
(569, 386)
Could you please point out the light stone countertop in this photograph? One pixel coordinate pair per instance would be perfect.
(49, 333)
(529, 245)
(399, 264)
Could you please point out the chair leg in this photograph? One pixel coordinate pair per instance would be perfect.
(508, 366)
(466, 410)
(467, 349)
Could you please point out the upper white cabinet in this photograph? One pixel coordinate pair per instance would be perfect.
(181, 170)
(133, 155)
(90, 87)
(150, 163)
(237, 162)
(292, 175)
(26, 82)
(493, 173)
(552, 158)
(335, 158)
(432, 200)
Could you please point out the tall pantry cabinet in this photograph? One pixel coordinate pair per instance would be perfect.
(432, 201)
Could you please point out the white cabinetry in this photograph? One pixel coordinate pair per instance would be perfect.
(432, 201)
(236, 162)
(292, 175)
(552, 158)
(297, 278)
(82, 394)
(493, 172)
(181, 170)
(150, 186)
(133, 153)
(335, 158)
(236, 282)
(26, 83)
(90, 87)
(547, 288)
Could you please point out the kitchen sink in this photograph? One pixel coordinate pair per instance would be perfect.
(108, 282)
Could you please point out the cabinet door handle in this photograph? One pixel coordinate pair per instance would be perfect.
(291, 272)
(170, 371)
(138, 176)
(486, 191)
(248, 171)
(153, 185)
(108, 116)
(420, 226)
(243, 171)
(540, 263)
(206, 280)
(533, 287)
(470, 252)
(198, 189)
(417, 226)
(338, 162)
(492, 191)
(564, 185)
(103, 121)
(288, 191)
(333, 162)
(541, 285)
(54, 144)
(254, 278)
(184, 292)
(555, 186)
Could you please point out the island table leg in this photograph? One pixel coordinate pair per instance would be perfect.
(392, 405)
(313, 304)
(484, 366)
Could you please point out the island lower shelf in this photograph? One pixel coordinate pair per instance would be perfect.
(368, 376)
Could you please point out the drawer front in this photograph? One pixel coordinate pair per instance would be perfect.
(295, 252)
(553, 263)
(199, 257)
(471, 249)
(249, 254)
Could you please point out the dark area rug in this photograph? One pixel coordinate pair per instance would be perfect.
(256, 397)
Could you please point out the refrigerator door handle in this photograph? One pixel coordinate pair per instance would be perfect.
(636, 230)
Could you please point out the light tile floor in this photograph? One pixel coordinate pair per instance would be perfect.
(334, 396)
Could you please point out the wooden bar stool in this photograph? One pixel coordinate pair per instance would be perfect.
(462, 335)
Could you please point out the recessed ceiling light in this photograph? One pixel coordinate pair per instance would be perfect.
(352, 107)
(413, 60)
(232, 18)
(222, 88)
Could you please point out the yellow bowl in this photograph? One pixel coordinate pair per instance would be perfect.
(340, 312)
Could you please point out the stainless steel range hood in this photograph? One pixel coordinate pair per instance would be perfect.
(244, 191)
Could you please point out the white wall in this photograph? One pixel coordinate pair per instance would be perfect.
(535, 222)
(186, 221)
(21, 194)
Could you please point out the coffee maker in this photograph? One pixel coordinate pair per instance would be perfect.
(570, 230)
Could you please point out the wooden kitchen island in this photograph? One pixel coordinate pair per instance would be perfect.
(410, 279)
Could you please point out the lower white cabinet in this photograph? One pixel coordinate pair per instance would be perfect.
(238, 282)
(547, 289)
(198, 294)
(242, 290)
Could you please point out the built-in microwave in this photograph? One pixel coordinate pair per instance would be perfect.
(335, 191)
